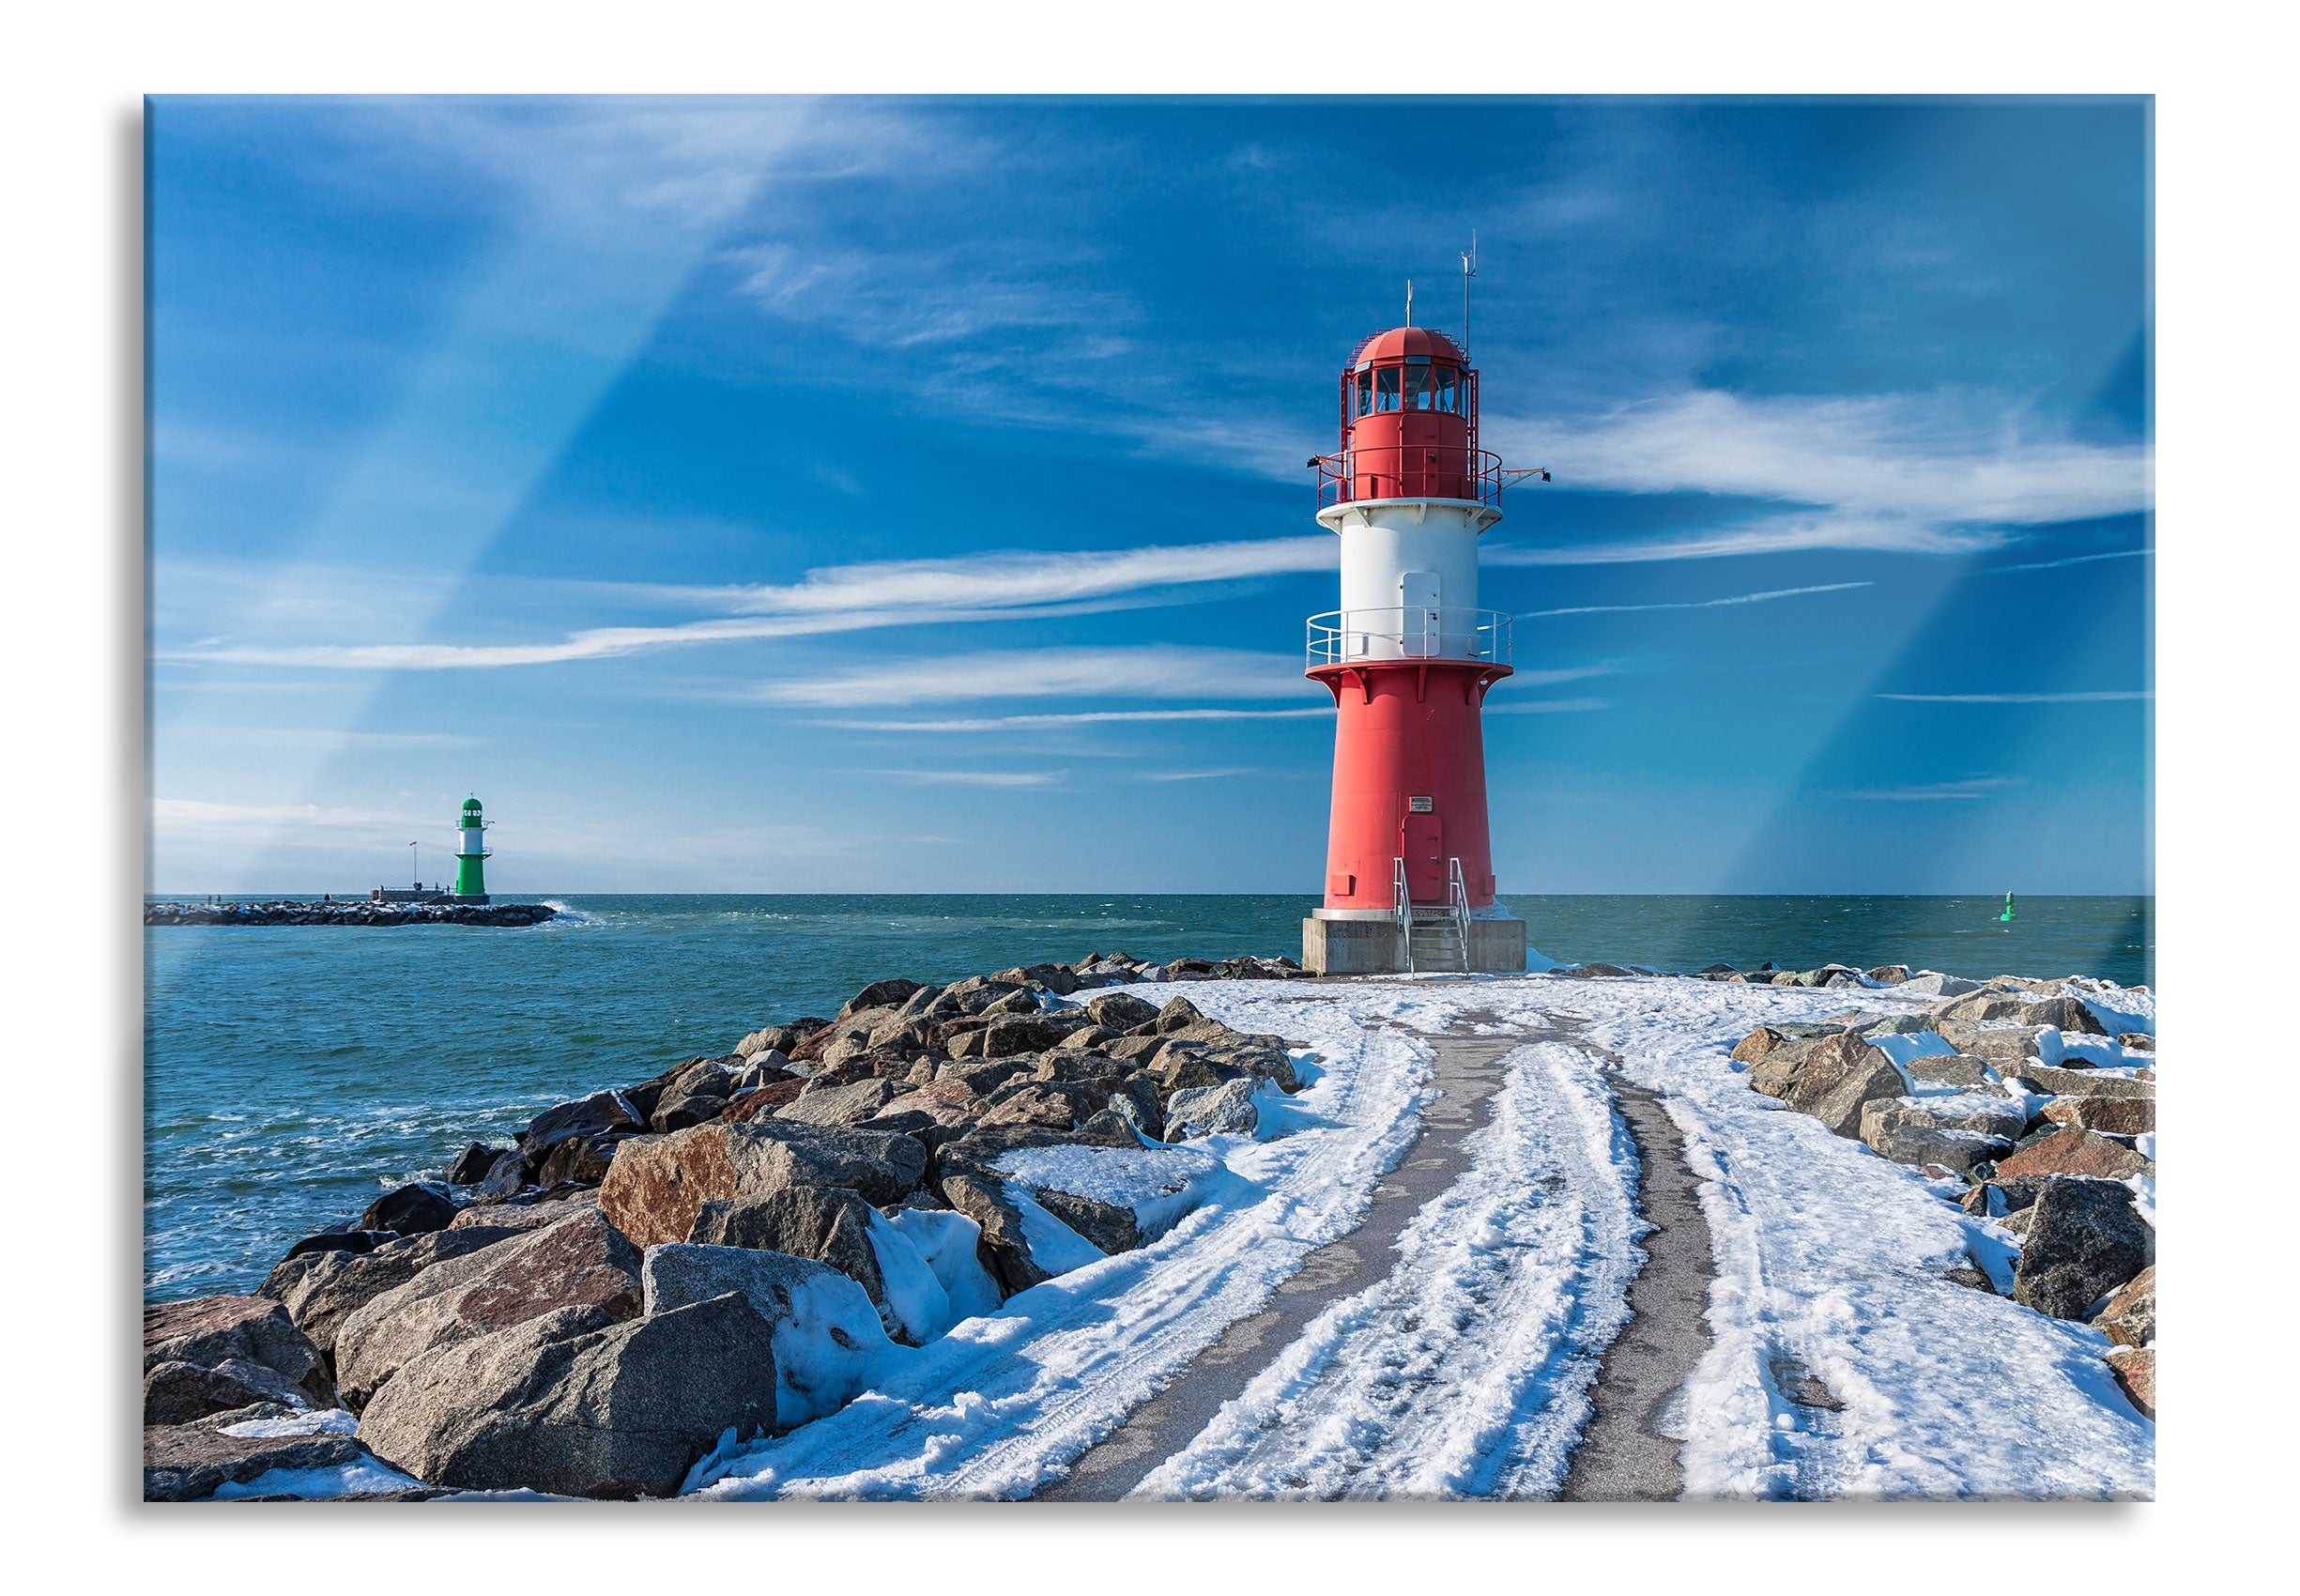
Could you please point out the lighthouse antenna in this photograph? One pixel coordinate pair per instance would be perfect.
(1469, 270)
(1409, 301)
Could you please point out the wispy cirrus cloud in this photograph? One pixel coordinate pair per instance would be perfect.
(1945, 458)
(1549, 706)
(1777, 534)
(2114, 697)
(1937, 791)
(2072, 560)
(1081, 717)
(1156, 670)
(1936, 473)
(1005, 584)
(970, 777)
(1696, 604)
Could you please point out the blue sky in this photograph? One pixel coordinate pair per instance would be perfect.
(889, 495)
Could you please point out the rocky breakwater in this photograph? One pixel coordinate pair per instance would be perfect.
(740, 1245)
(352, 911)
(2017, 1100)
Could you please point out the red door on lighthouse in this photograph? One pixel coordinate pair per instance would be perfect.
(1422, 846)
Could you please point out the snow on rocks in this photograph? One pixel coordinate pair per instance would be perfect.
(942, 1244)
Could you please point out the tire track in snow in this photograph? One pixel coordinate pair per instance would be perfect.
(1466, 1370)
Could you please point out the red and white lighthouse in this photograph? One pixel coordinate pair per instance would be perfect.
(1409, 658)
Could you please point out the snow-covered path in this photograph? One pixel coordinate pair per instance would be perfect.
(1466, 1370)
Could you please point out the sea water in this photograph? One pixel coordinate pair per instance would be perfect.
(293, 1073)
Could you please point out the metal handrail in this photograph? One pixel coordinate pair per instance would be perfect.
(1345, 636)
(1457, 890)
(1403, 909)
(1410, 470)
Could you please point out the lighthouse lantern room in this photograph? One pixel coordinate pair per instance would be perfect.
(1409, 658)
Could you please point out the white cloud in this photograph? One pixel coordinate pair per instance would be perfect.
(1943, 458)
(2073, 560)
(1005, 585)
(1197, 774)
(1779, 534)
(1551, 706)
(1696, 604)
(1016, 578)
(1157, 670)
(197, 817)
(2015, 698)
(1084, 717)
(1977, 787)
(971, 777)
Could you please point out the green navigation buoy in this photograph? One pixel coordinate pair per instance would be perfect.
(2007, 917)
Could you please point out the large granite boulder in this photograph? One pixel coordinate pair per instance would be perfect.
(2044, 1079)
(2135, 1371)
(321, 1290)
(850, 1104)
(2084, 1240)
(471, 1165)
(2076, 1152)
(1226, 1109)
(586, 1116)
(572, 1404)
(192, 1462)
(826, 1224)
(409, 1210)
(1833, 1082)
(2130, 1317)
(1915, 1136)
(1178, 1013)
(1121, 1012)
(581, 1262)
(249, 1347)
(654, 1190)
(509, 1216)
(1003, 1246)
(829, 1342)
(2117, 1116)
(888, 994)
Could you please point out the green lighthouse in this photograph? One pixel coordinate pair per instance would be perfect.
(471, 856)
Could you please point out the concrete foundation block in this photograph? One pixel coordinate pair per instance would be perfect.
(1497, 946)
(1352, 947)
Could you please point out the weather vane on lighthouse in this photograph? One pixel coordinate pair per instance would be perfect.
(1409, 658)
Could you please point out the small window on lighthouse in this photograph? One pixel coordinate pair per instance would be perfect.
(1365, 392)
(1417, 387)
(1444, 375)
(1386, 389)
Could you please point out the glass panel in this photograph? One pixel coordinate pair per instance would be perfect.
(1365, 393)
(1444, 390)
(1417, 388)
(1385, 387)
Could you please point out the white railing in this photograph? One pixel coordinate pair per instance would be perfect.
(1344, 636)
(1457, 892)
(1404, 911)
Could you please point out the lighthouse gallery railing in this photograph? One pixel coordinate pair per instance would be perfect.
(1409, 470)
(1347, 636)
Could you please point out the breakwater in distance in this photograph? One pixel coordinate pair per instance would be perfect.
(345, 911)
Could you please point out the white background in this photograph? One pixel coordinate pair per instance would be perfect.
(73, 581)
